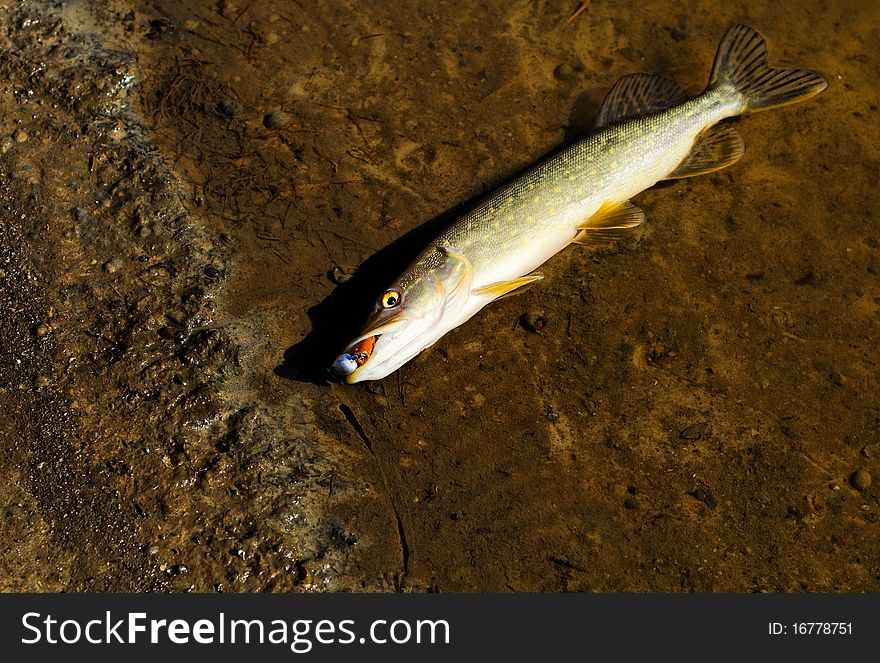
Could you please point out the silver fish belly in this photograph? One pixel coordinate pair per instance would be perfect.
(647, 131)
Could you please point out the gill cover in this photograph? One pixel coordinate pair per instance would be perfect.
(432, 293)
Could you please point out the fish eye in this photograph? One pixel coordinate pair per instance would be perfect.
(390, 299)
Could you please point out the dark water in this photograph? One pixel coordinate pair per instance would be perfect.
(188, 188)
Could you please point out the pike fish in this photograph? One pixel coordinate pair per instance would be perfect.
(646, 131)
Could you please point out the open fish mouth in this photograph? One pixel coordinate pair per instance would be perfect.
(358, 355)
(361, 349)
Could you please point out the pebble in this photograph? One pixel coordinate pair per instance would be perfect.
(871, 450)
(276, 120)
(337, 276)
(533, 322)
(838, 378)
(696, 431)
(860, 479)
(176, 316)
(113, 265)
(177, 335)
(158, 272)
(631, 503)
(705, 497)
(42, 329)
(565, 72)
(228, 107)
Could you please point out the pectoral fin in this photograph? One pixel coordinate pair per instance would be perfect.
(507, 288)
(610, 222)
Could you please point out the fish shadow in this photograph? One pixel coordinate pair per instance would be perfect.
(582, 118)
(341, 315)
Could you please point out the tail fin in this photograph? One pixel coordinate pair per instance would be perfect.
(741, 61)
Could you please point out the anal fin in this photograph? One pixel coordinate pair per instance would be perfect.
(715, 148)
(507, 288)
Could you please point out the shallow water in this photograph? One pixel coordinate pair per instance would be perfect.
(682, 411)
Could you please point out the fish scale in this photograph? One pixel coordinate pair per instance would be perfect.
(647, 131)
(538, 213)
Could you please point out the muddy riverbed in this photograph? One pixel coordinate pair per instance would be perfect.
(200, 201)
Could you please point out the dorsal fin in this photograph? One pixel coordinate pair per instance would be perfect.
(715, 148)
(638, 94)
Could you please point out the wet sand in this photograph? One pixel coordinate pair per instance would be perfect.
(202, 200)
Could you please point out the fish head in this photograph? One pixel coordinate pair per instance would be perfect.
(422, 305)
